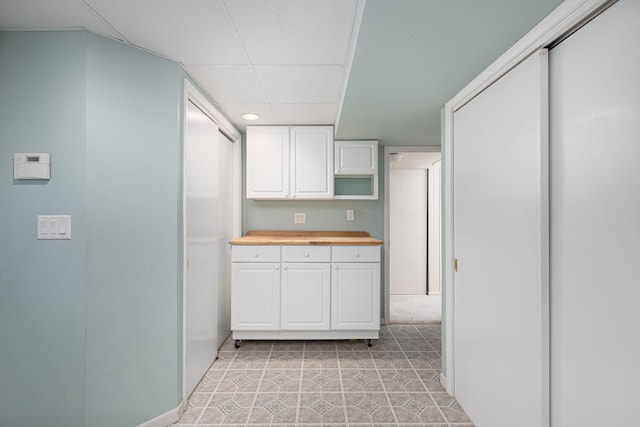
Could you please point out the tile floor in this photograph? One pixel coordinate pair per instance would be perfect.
(328, 383)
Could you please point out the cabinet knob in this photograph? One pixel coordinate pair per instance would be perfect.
(256, 254)
(357, 254)
(306, 254)
(277, 267)
(284, 267)
(335, 267)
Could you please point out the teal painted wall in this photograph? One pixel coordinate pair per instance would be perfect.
(321, 215)
(90, 327)
(42, 283)
(133, 187)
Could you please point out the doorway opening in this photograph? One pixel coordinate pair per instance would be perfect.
(412, 228)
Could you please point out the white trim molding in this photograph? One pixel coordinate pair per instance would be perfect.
(567, 17)
(355, 32)
(385, 259)
(195, 95)
(166, 419)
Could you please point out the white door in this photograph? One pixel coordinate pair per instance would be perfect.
(305, 298)
(501, 242)
(255, 296)
(355, 296)
(595, 222)
(356, 157)
(202, 205)
(312, 162)
(267, 166)
(408, 231)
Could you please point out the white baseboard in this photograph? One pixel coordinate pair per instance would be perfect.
(166, 419)
(445, 383)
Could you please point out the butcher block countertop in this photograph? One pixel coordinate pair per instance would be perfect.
(306, 238)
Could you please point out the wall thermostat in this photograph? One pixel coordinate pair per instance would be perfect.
(31, 166)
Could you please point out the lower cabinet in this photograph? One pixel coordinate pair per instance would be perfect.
(305, 296)
(355, 296)
(255, 296)
(305, 292)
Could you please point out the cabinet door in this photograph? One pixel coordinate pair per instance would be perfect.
(306, 296)
(267, 162)
(356, 158)
(312, 162)
(255, 296)
(355, 296)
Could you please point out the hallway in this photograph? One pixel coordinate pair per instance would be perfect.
(339, 383)
(415, 309)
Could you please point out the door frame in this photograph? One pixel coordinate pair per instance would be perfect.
(566, 18)
(387, 158)
(194, 95)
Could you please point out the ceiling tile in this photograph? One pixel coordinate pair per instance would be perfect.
(187, 31)
(53, 14)
(301, 83)
(294, 31)
(305, 114)
(228, 83)
(233, 111)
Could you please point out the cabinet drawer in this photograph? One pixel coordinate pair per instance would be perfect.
(255, 253)
(355, 254)
(306, 253)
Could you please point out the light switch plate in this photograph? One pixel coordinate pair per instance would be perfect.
(54, 227)
(299, 218)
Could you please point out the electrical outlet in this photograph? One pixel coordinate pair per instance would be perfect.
(299, 218)
(351, 216)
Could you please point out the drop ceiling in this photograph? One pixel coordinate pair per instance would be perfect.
(381, 69)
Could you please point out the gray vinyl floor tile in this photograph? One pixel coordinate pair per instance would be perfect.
(339, 383)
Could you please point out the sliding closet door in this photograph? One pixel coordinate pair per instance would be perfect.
(595, 222)
(501, 243)
(204, 263)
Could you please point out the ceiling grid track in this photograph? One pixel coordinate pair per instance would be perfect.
(246, 55)
(105, 22)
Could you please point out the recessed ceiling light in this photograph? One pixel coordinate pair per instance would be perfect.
(249, 116)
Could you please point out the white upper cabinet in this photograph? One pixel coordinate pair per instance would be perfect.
(356, 157)
(289, 162)
(356, 170)
(267, 162)
(312, 162)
